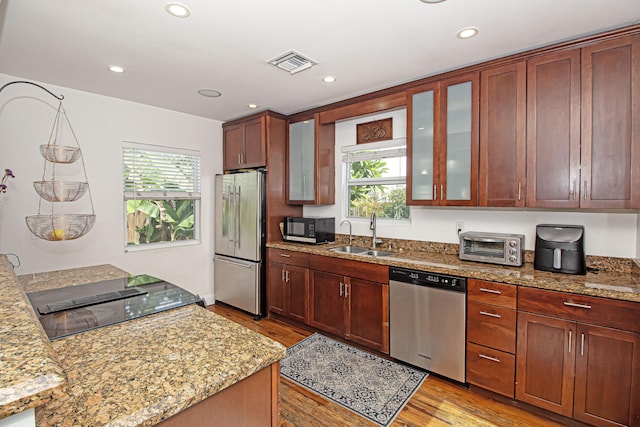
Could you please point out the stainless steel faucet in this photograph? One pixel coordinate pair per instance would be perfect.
(372, 226)
(350, 235)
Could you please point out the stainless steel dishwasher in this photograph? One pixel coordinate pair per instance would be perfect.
(428, 321)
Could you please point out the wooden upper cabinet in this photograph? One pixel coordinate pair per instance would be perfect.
(610, 132)
(502, 136)
(244, 144)
(311, 163)
(582, 146)
(442, 142)
(553, 130)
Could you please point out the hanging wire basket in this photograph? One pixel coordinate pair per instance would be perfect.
(60, 153)
(56, 226)
(60, 226)
(60, 191)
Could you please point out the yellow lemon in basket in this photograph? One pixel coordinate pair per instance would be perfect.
(57, 234)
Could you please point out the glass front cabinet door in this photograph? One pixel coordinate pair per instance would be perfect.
(442, 143)
(301, 161)
(311, 162)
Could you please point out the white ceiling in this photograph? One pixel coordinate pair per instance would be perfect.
(225, 45)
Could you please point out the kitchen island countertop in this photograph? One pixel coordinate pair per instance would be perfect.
(135, 373)
(623, 286)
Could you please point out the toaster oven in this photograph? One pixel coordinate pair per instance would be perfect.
(495, 248)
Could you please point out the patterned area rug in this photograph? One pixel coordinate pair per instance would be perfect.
(370, 386)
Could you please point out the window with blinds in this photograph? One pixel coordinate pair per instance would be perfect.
(376, 180)
(161, 188)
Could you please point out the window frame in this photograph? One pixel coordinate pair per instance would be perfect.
(188, 189)
(393, 148)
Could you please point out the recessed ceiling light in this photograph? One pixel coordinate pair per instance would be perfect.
(210, 93)
(467, 33)
(329, 79)
(432, 1)
(254, 106)
(178, 10)
(116, 69)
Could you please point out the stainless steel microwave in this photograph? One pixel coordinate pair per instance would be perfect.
(313, 230)
(495, 248)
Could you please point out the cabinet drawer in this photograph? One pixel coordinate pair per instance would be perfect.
(617, 314)
(492, 293)
(491, 326)
(346, 267)
(491, 369)
(289, 257)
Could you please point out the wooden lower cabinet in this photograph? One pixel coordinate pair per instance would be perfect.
(254, 401)
(288, 285)
(546, 363)
(607, 384)
(328, 303)
(345, 298)
(353, 308)
(581, 370)
(491, 335)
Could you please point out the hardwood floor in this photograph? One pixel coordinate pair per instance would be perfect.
(437, 403)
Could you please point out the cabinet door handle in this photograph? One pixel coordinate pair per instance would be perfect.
(341, 285)
(570, 341)
(346, 290)
(283, 275)
(485, 313)
(581, 344)
(519, 190)
(491, 291)
(573, 304)
(239, 162)
(585, 190)
(493, 359)
(441, 192)
(573, 190)
(435, 192)
(287, 277)
(285, 255)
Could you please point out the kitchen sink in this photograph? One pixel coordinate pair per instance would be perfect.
(350, 249)
(377, 253)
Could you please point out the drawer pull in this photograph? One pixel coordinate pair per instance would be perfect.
(493, 359)
(485, 313)
(285, 255)
(491, 291)
(573, 304)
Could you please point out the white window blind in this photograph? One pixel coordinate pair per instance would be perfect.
(153, 172)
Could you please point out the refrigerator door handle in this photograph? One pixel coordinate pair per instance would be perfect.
(237, 232)
(230, 199)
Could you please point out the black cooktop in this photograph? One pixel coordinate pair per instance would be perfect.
(74, 309)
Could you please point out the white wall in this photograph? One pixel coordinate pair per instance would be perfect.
(101, 124)
(607, 234)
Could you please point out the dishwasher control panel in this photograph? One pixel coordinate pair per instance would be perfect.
(424, 278)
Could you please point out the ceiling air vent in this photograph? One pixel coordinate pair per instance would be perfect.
(292, 62)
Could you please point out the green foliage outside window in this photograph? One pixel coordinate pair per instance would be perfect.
(159, 221)
(387, 200)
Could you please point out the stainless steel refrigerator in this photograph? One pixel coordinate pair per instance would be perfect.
(239, 271)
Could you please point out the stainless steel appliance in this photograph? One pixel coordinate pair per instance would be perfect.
(74, 309)
(428, 321)
(560, 248)
(495, 248)
(313, 230)
(239, 274)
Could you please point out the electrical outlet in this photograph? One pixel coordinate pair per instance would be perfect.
(459, 227)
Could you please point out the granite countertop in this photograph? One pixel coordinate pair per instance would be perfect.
(141, 372)
(135, 373)
(621, 285)
(31, 373)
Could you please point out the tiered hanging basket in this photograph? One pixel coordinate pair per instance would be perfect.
(60, 226)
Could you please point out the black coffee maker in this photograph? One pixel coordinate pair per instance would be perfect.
(560, 248)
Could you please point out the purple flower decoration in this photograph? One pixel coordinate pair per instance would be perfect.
(8, 173)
